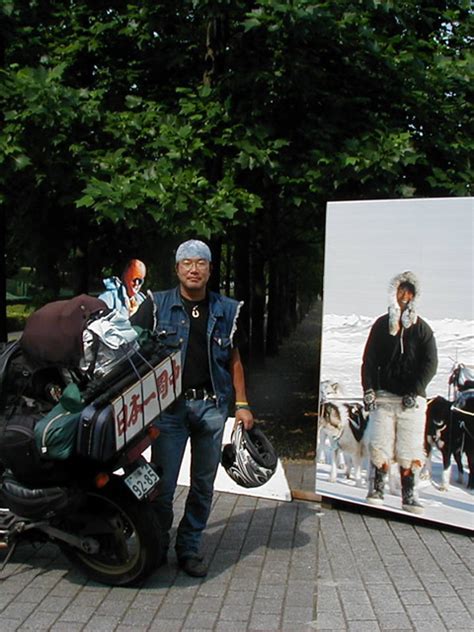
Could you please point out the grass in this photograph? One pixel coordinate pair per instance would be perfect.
(17, 315)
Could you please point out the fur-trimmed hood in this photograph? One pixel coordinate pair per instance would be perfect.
(409, 316)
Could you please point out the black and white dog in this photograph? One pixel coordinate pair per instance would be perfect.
(450, 428)
(342, 431)
(343, 426)
(326, 451)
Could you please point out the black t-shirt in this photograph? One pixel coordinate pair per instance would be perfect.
(196, 373)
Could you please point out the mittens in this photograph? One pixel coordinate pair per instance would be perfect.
(370, 402)
(409, 401)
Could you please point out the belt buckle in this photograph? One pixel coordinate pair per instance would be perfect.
(198, 393)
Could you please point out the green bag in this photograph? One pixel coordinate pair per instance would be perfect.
(55, 434)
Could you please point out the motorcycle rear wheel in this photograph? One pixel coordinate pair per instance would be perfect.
(126, 531)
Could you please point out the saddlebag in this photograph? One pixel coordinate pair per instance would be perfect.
(55, 434)
(18, 449)
(108, 425)
(27, 397)
(96, 433)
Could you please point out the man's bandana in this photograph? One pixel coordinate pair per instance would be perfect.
(193, 249)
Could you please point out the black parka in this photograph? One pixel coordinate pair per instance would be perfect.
(402, 364)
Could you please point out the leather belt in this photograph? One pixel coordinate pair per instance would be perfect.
(198, 393)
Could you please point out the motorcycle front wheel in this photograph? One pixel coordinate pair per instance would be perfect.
(123, 536)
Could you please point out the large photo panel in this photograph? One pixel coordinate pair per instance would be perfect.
(423, 341)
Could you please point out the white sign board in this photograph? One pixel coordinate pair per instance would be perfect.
(136, 407)
(276, 488)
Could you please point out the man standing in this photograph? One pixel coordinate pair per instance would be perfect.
(203, 325)
(399, 361)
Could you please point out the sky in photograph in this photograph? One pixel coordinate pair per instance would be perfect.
(369, 242)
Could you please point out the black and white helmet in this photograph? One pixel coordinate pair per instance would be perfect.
(250, 459)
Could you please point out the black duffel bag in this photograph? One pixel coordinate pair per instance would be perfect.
(18, 449)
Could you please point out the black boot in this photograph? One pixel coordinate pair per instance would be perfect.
(409, 500)
(376, 485)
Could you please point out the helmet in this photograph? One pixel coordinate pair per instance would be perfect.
(250, 459)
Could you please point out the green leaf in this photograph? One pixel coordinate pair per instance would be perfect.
(251, 23)
(86, 200)
(22, 161)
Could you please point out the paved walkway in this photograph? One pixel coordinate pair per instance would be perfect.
(274, 566)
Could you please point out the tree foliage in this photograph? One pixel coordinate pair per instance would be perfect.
(153, 120)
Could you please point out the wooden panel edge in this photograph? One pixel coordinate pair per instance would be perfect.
(301, 494)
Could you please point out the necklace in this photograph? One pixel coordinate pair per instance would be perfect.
(195, 311)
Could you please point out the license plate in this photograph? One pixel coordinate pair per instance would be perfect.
(142, 480)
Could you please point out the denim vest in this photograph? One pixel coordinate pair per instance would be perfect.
(173, 325)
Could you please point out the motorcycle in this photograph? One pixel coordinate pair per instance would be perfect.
(96, 503)
(102, 521)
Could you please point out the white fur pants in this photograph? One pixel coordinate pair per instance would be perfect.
(396, 433)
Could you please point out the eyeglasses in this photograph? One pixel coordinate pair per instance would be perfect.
(201, 264)
(137, 281)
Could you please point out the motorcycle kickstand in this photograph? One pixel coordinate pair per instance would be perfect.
(9, 554)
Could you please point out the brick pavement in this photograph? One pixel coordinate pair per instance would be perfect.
(275, 566)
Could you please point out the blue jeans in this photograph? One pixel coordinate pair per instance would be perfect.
(201, 421)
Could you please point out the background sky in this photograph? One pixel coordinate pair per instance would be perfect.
(369, 242)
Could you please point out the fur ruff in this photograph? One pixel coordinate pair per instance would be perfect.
(409, 316)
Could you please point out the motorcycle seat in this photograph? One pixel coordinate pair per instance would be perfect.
(31, 503)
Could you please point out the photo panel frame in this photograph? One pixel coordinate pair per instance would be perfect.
(367, 244)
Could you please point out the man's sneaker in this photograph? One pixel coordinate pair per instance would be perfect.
(193, 565)
(375, 497)
(412, 505)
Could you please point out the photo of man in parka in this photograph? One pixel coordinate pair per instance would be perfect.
(399, 361)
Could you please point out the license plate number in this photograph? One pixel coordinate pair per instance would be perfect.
(142, 480)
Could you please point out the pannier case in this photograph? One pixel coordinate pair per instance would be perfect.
(106, 429)
(95, 433)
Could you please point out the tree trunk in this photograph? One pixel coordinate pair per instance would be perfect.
(3, 240)
(3, 280)
(242, 281)
(215, 280)
(292, 301)
(228, 268)
(49, 278)
(257, 303)
(216, 38)
(80, 271)
(284, 320)
(272, 337)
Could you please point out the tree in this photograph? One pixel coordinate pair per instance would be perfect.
(235, 121)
